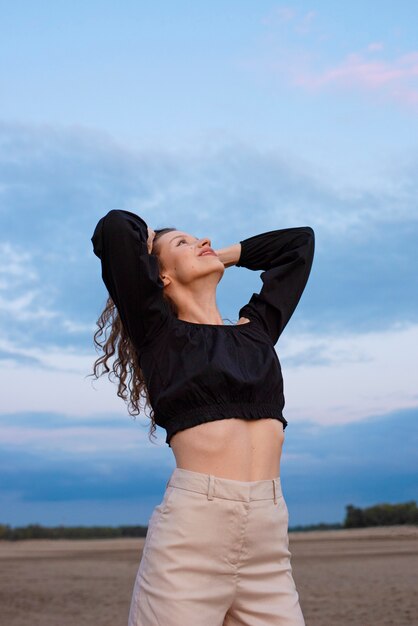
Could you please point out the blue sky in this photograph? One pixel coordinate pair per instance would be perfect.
(225, 120)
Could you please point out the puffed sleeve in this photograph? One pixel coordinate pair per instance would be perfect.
(131, 274)
(286, 256)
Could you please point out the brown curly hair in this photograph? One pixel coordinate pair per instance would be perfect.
(112, 338)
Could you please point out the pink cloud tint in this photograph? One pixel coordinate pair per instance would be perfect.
(279, 14)
(397, 78)
(375, 46)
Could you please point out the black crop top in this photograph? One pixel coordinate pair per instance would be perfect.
(198, 373)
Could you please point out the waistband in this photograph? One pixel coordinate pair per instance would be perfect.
(230, 489)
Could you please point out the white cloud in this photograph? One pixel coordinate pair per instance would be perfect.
(24, 308)
(16, 267)
(55, 379)
(73, 327)
(361, 374)
(20, 300)
(75, 438)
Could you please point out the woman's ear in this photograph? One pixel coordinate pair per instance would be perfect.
(166, 279)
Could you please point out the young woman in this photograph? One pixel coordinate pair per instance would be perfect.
(217, 549)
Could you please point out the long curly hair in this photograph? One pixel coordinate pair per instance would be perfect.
(112, 339)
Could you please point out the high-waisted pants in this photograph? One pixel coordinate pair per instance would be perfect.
(216, 554)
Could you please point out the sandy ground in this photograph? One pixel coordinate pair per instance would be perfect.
(358, 577)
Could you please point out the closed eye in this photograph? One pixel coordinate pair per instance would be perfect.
(181, 241)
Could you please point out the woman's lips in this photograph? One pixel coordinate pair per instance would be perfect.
(208, 252)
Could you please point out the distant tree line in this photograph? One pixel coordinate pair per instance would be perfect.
(381, 515)
(377, 515)
(36, 531)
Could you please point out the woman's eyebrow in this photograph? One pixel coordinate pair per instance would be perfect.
(196, 238)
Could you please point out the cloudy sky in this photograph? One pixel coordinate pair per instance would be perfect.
(223, 119)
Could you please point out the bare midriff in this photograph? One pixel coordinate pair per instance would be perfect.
(233, 448)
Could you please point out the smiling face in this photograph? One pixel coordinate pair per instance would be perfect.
(185, 258)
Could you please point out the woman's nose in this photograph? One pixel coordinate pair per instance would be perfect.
(204, 241)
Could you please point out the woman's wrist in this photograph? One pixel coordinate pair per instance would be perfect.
(229, 255)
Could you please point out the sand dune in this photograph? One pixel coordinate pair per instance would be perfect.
(356, 577)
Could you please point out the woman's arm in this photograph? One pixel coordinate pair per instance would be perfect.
(122, 241)
(286, 256)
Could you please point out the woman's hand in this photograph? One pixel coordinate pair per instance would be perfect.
(151, 235)
(229, 255)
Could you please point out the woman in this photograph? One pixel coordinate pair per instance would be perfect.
(216, 551)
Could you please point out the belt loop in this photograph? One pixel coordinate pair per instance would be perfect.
(211, 487)
(274, 492)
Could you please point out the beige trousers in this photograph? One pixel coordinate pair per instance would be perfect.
(216, 554)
